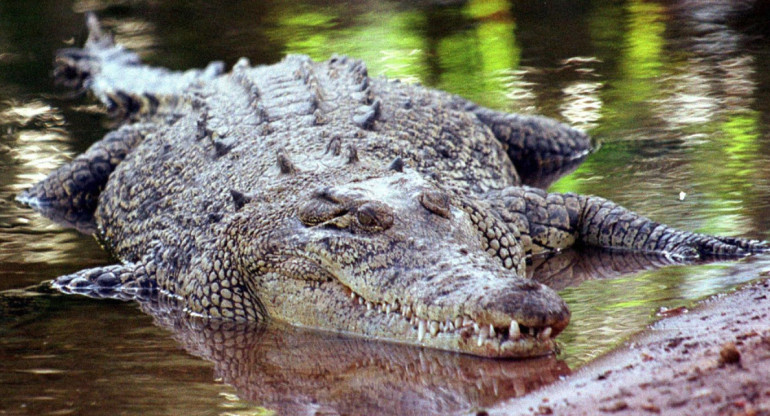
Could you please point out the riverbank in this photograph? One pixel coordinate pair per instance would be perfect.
(712, 360)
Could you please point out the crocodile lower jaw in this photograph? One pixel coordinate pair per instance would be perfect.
(515, 340)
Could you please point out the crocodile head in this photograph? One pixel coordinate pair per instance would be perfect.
(391, 257)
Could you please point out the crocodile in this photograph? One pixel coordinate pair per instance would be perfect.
(317, 195)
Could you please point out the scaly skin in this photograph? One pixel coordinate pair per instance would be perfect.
(314, 194)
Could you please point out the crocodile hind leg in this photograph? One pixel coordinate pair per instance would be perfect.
(541, 148)
(76, 185)
(552, 221)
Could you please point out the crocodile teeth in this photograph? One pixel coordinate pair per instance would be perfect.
(433, 328)
(482, 336)
(421, 330)
(463, 324)
(514, 332)
(545, 334)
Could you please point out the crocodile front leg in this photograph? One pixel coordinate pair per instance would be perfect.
(552, 221)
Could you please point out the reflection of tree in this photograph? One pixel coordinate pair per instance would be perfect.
(459, 49)
(678, 96)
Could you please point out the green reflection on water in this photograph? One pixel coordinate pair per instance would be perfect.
(473, 61)
(731, 170)
(387, 40)
(469, 58)
(644, 43)
(471, 50)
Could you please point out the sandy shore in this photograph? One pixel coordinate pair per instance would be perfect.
(712, 360)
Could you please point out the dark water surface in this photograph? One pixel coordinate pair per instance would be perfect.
(678, 93)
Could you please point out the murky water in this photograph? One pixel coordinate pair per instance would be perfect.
(678, 93)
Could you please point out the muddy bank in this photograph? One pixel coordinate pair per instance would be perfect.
(712, 360)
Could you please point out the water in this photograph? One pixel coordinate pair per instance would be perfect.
(678, 93)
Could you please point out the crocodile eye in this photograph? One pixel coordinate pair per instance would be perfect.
(436, 202)
(374, 217)
(321, 208)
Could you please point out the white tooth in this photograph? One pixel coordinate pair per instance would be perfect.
(545, 334)
(492, 331)
(467, 321)
(506, 345)
(450, 326)
(353, 295)
(483, 334)
(475, 327)
(360, 301)
(532, 331)
(387, 309)
(514, 332)
(458, 322)
(421, 330)
(433, 328)
(368, 306)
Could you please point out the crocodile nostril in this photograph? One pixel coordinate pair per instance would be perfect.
(530, 285)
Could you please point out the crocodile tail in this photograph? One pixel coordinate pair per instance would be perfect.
(97, 37)
(117, 77)
(77, 67)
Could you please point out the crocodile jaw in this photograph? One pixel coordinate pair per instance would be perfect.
(475, 327)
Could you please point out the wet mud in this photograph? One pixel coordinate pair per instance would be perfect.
(712, 360)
